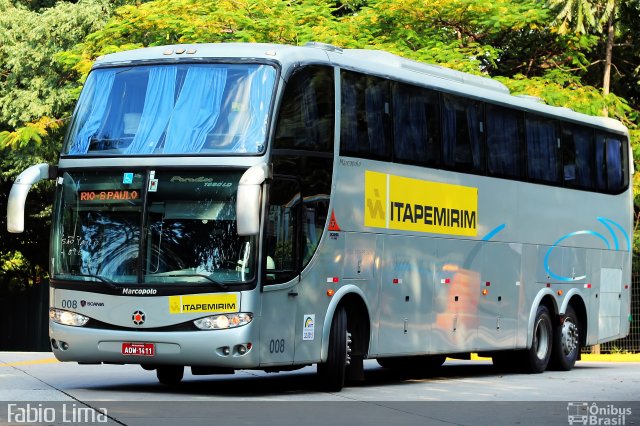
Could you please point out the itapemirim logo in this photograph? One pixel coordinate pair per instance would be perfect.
(593, 414)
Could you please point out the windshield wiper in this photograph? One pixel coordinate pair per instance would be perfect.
(99, 278)
(206, 277)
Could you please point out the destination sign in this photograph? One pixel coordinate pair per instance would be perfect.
(126, 194)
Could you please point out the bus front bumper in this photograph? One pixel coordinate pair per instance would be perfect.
(234, 348)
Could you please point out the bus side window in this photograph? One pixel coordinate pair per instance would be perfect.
(543, 141)
(616, 167)
(462, 133)
(306, 117)
(504, 141)
(601, 165)
(366, 117)
(416, 125)
(303, 148)
(577, 157)
(283, 227)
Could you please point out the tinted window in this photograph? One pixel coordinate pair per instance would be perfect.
(282, 240)
(542, 150)
(416, 125)
(612, 163)
(504, 141)
(306, 118)
(365, 123)
(462, 131)
(578, 157)
(305, 124)
(615, 165)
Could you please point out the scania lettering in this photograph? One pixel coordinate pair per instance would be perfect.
(262, 206)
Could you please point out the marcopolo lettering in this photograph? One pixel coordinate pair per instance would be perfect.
(139, 291)
(432, 215)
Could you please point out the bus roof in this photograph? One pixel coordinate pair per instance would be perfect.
(374, 62)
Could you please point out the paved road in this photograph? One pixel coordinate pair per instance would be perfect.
(461, 393)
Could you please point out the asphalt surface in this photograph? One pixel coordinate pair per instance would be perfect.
(460, 393)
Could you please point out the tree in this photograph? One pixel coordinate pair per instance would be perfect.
(582, 16)
(36, 99)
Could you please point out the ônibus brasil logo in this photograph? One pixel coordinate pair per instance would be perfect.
(593, 414)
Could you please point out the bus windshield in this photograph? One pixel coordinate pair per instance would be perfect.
(205, 109)
(160, 227)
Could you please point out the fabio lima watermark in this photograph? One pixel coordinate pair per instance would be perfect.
(600, 414)
(63, 413)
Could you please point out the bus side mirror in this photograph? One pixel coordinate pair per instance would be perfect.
(18, 195)
(248, 200)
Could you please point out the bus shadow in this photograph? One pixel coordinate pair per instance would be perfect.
(303, 383)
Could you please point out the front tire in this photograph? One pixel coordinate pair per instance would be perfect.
(332, 373)
(566, 342)
(170, 375)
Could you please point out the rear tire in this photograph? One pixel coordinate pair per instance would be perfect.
(566, 342)
(536, 359)
(332, 373)
(170, 375)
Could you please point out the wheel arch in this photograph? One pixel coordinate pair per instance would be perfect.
(358, 316)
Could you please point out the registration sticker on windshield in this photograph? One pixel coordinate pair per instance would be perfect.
(209, 303)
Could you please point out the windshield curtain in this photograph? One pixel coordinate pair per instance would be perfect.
(173, 109)
(150, 227)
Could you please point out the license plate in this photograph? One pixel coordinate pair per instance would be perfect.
(138, 349)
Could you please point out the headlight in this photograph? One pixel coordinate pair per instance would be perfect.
(67, 317)
(220, 322)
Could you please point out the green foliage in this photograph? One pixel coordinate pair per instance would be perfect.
(561, 89)
(580, 16)
(191, 21)
(455, 33)
(32, 83)
(47, 49)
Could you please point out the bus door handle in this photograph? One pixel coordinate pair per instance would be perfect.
(292, 293)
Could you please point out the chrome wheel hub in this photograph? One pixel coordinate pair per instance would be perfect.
(569, 336)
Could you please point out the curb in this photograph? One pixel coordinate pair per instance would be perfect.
(623, 357)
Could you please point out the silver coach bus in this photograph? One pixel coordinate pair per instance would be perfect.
(254, 206)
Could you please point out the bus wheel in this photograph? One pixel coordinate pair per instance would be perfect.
(331, 373)
(170, 375)
(566, 342)
(536, 359)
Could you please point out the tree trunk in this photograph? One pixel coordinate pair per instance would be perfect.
(606, 81)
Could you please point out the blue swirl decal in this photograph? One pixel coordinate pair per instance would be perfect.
(607, 223)
(493, 232)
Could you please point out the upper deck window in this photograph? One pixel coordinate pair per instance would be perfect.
(173, 109)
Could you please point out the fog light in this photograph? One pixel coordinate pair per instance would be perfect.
(64, 346)
(242, 349)
(226, 350)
